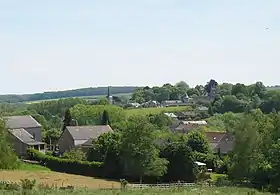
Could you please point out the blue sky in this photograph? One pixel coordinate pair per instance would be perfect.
(66, 44)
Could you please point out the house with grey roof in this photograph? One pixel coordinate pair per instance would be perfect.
(22, 140)
(26, 133)
(220, 142)
(80, 136)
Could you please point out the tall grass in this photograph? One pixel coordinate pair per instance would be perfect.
(190, 191)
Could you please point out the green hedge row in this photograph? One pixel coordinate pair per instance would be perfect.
(93, 169)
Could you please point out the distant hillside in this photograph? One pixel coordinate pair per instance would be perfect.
(98, 91)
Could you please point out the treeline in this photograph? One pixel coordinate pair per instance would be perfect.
(66, 94)
(220, 98)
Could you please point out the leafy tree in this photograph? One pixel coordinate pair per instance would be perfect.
(52, 135)
(107, 149)
(91, 115)
(75, 154)
(200, 89)
(193, 92)
(181, 161)
(8, 159)
(198, 142)
(160, 120)
(102, 101)
(105, 118)
(139, 152)
(239, 88)
(225, 89)
(232, 104)
(210, 88)
(182, 85)
(259, 89)
(67, 119)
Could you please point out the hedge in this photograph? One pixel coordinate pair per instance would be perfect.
(93, 169)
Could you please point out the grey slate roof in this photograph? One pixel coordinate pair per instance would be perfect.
(88, 132)
(24, 136)
(17, 122)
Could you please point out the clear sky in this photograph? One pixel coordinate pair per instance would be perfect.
(64, 44)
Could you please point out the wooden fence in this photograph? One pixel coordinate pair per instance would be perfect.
(167, 185)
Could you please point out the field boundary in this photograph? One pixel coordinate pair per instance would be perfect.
(165, 186)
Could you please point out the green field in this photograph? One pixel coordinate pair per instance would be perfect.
(146, 111)
(31, 167)
(190, 191)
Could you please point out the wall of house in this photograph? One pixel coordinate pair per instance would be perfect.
(19, 147)
(36, 132)
(65, 142)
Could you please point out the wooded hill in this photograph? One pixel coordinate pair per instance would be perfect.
(98, 91)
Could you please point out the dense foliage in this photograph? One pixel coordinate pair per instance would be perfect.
(71, 166)
(8, 159)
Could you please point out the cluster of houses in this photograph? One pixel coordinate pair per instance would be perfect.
(26, 133)
(185, 100)
(220, 142)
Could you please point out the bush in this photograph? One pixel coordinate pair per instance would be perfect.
(223, 181)
(11, 186)
(27, 184)
(94, 169)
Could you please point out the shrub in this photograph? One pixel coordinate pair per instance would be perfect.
(75, 154)
(223, 181)
(11, 186)
(47, 187)
(67, 165)
(27, 184)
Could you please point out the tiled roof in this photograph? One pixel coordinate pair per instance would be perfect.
(17, 122)
(24, 136)
(215, 137)
(87, 132)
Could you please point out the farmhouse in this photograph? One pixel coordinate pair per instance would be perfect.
(80, 136)
(220, 142)
(26, 133)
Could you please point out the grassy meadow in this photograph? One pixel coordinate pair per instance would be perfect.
(45, 176)
(146, 111)
(189, 191)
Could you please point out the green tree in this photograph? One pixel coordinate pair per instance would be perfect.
(193, 92)
(182, 85)
(210, 88)
(67, 119)
(139, 152)
(160, 120)
(198, 142)
(105, 118)
(181, 161)
(8, 159)
(225, 89)
(232, 104)
(106, 149)
(239, 88)
(75, 154)
(52, 135)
